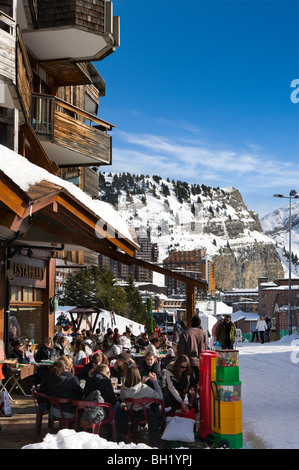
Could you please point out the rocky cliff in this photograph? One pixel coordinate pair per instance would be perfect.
(182, 216)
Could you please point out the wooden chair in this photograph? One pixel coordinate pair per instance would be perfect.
(40, 412)
(64, 423)
(82, 405)
(141, 402)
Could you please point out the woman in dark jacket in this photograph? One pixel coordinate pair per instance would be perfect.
(150, 364)
(179, 383)
(45, 352)
(94, 360)
(18, 352)
(60, 382)
(99, 380)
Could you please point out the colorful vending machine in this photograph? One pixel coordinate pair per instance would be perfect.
(226, 402)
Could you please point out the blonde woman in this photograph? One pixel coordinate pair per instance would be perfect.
(261, 327)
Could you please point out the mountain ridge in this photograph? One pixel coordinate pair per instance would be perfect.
(183, 216)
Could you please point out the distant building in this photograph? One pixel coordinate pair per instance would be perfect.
(195, 264)
(148, 252)
(246, 300)
(274, 299)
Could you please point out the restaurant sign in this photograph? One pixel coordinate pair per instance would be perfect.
(28, 271)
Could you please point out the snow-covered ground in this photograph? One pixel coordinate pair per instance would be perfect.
(270, 402)
(270, 393)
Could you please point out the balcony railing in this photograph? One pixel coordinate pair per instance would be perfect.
(15, 69)
(7, 47)
(68, 126)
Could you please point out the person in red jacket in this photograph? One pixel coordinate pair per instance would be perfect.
(191, 343)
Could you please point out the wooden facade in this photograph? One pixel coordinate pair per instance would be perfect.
(49, 119)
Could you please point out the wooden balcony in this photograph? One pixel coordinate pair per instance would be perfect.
(80, 30)
(15, 70)
(70, 135)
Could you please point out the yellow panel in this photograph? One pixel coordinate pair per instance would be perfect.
(230, 426)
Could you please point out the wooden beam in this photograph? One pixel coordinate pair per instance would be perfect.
(123, 258)
(38, 156)
(190, 303)
(12, 196)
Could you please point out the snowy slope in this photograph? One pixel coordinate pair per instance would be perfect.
(185, 216)
(276, 225)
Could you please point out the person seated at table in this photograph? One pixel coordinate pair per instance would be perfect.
(135, 387)
(115, 349)
(19, 352)
(29, 352)
(150, 365)
(142, 341)
(79, 352)
(179, 381)
(121, 363)
(107, 341)
(170, 357)
(98, 380)
(60, 346)
(59, 382)
(164, 341)
(45, 352)
(94, 360)
(116, 334)
(88, 339)
(153, 346)
(125, 339)
(69, 363)
(99, 338)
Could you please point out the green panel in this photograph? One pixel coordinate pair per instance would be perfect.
(234, 441)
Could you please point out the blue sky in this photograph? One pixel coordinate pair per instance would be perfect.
(200, 91)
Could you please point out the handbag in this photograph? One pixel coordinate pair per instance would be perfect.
(5, 409)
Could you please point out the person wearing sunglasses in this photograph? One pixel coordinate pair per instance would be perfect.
(179, 380)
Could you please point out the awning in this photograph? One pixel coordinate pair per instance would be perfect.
(44, 208)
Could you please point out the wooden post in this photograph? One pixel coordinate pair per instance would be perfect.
(190, 303)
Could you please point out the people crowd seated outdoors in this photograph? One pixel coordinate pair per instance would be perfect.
(149, 366)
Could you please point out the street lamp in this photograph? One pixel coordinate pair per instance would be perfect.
(293, 195)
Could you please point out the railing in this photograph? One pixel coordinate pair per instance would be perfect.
(71, 127)
(7, 47)
(45, 107)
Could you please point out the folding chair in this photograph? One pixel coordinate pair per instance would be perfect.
(141, 402)
(82, 405)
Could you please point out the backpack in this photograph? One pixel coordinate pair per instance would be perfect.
(94, 413)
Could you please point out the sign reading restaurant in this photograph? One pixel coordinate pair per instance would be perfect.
(28, 271)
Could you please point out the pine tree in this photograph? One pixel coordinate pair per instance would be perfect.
(136, 309)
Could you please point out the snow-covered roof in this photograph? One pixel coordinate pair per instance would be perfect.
(247, 316)
(25, 174)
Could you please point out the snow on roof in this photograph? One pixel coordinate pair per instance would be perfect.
(24, 174)
(247, 316)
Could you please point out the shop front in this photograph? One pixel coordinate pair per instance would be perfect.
(31, 287)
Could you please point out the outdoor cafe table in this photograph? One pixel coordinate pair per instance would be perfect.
(18, 373)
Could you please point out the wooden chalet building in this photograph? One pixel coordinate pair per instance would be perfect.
(52, 131)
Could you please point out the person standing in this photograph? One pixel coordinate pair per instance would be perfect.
(261, 327)
(226, 333)
(255, 335)
(267, 332)
(191, 343)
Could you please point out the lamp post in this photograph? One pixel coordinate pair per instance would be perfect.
(293, 195)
